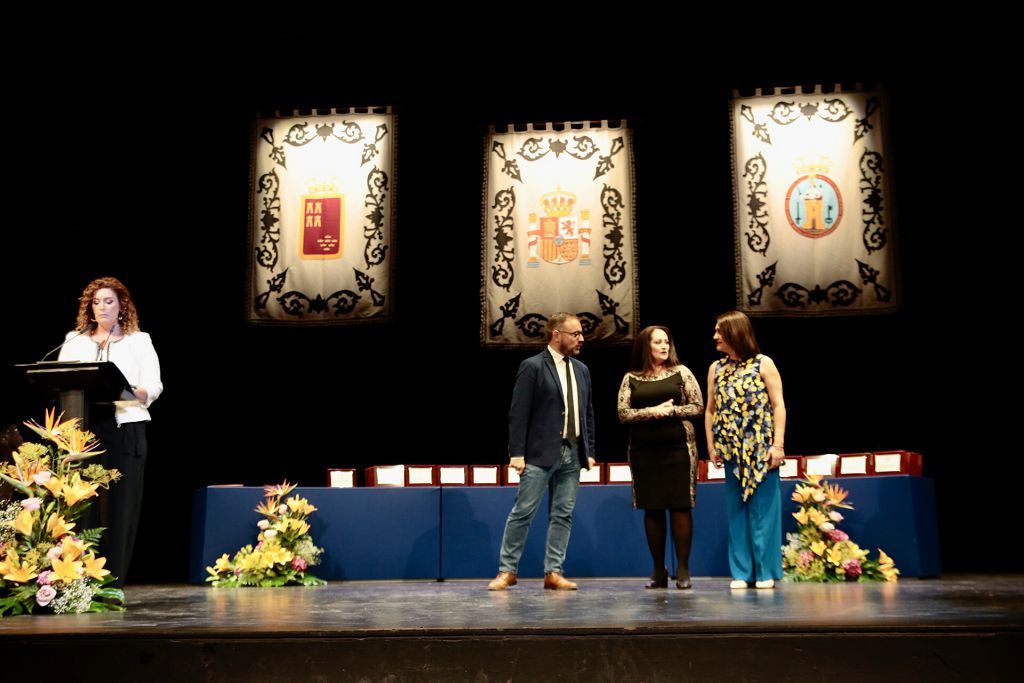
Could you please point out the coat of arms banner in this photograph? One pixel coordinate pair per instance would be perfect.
(321, 219)
(813, 204)
(558, 232)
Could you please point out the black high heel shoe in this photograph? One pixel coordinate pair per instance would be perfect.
(659, 580)
(683, 584)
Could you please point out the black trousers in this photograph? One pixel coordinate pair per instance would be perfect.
(119, 507)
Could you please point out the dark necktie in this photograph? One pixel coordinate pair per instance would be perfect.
(570, 429)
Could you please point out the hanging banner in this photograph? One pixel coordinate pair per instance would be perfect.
(321, 228)
(813, 221)
(558, 233)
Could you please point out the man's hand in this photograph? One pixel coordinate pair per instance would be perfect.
(518, 464)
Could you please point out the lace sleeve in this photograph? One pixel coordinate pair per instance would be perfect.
(692, 401)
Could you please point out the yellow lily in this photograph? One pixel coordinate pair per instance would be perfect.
(298, 504)
(54, 486)
(884, 560)
(19, 572)
(801, 516)
(71, 549)
(814, 479)
(223, 564)
(9, 561)
(818, 547)
(816, 516)
(802, 493)
(54, 427)
(94, 567)
(835, 554)
(275, 554)
(24, 522)
(77, 490)
(57, 526)
(67, 570)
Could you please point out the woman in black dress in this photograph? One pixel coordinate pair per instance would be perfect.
(659, 399)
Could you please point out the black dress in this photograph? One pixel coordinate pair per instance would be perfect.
(662, 451)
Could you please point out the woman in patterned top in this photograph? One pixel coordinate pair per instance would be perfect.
(659, 399)
(745, 426)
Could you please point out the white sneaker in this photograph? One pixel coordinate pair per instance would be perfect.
(737, 583)
(770, 583)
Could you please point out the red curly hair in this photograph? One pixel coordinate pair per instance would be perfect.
(128, 317)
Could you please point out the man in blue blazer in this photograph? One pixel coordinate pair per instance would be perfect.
(550, 438)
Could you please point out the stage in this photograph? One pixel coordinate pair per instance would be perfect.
(956, 628)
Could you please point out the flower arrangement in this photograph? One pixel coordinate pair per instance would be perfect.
(47, 561)
(284, 549)
(820, 551)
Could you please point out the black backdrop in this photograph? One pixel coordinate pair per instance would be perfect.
(129, 157)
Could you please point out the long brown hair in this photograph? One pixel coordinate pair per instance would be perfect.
(738, 333)
(640, 360)
(128, 316)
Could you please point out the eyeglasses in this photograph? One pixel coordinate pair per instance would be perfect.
(577, 334)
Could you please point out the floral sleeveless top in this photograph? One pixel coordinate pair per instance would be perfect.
(742, 426)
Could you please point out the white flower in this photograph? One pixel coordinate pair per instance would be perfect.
(263, 524)
(835, 516)
(283, 510)
(826, 526)
(271, 533)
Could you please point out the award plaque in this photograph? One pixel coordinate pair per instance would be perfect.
(452, 475)
(511, 477)
(821, 465)
(790, 468)
(595, 475)
(854, 465)
(421, 475)
(715, 472)
(385, 475)
(341, 479)
(619, 473)
(898, 462)
(484, 475)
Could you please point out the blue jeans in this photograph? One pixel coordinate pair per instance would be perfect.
(562, 480)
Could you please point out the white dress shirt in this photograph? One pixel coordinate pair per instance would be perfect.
(560, 371)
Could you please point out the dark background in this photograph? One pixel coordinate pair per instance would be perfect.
(128, 155)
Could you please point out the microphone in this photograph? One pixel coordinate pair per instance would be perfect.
(60, 346)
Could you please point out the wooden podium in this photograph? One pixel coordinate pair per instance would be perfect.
(79, 383)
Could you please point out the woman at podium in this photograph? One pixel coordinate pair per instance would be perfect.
(107, 329)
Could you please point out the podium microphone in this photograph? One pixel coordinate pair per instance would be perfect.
(61, 345)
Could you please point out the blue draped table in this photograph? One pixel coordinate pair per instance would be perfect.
(455, 532)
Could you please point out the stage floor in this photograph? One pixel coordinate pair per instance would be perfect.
(990, 603)
(955, 628)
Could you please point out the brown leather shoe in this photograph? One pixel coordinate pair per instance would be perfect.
(556, 582)
(502, 581)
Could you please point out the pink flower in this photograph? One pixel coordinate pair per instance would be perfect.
(835, 516)
(31, 503)
(838, 535)
(45, 578)
(852, 568)
(41, 477)
(805, 558)
(44, 595)
(54, 552)
(299, 564)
